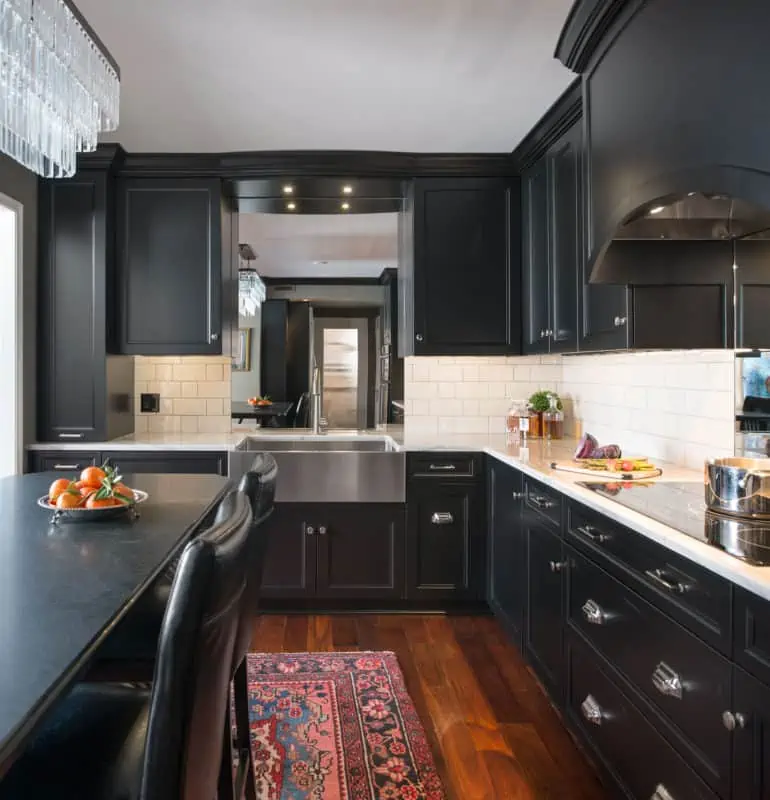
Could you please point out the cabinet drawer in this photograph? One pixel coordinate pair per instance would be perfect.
(691, 594)
(680, 675)
(178, 462)
(752, 634)
(623, 737)
(543, 500)
(69, 461)
(443, 465)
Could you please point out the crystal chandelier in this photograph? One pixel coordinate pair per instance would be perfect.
(59, 88)
(251, 292)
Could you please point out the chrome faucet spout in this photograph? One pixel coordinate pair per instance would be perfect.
(315, 401)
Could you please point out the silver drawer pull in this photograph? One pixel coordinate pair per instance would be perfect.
(70, 435)
(541, 502)
(731, 720)
(659, 576)
(442, 518)
(666, 681)
(591, 710)
(591, 533)
(557, 566)
(594, 613)
(66, 466)
(661, 793)
(517, 495)
(442, 467)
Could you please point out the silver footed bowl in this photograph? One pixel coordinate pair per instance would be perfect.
(93, 514)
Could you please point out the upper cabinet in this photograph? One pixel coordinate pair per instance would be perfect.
(171, 241)
(84, 394)
(460, 279)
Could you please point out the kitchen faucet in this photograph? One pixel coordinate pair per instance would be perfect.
(315, 400)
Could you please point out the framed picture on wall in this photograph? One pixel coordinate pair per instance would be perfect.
(242, 357)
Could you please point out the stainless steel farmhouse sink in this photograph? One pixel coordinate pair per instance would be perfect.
(325, 470)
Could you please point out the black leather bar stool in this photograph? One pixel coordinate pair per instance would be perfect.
(117, 742)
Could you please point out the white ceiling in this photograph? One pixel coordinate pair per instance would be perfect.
(401, 75)
(355, 245)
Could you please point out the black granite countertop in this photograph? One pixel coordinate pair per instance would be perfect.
(63, 588)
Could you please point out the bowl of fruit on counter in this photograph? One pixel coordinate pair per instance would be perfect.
(98, 493)
(260, 402)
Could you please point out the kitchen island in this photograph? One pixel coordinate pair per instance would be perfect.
(66, 586)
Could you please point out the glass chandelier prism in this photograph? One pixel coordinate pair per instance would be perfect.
(58, 88)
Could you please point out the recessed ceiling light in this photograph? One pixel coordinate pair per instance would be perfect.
(345, 206)
(320, 262)
(288, 189)
(291, 206)
(347, 190)
(657, 209)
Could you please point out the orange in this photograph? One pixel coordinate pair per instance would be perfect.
(69, 500)
(92, 476)
(122, 490)
(57, 488)
(100, 502)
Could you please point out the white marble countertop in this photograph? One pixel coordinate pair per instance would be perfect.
(535, 461)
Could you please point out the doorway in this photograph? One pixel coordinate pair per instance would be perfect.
(10, 336)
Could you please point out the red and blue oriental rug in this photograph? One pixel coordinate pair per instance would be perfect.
(336, 726)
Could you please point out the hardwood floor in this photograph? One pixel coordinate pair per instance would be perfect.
(493, 733)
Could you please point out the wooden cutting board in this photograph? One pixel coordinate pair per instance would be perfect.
(605, 474)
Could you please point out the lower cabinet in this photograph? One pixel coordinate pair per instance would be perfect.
(749, 719)
(69, 461)
(132, 461)
(335, 550)
(543, 605)
(445, 540)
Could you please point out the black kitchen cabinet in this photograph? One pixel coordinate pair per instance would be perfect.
(749, 719)
(168, 462)
(752, 289)
(506, 583)
(445, 540)
(462, 282)
(544, 603)
(552, 245)
(84, 393)
(360, 550)
(70, 462)
(170, 257)
(335, 551)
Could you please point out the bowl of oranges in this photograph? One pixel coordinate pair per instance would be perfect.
(98, 493)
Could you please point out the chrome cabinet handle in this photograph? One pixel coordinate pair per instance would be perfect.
(442, 518)
(591, 710)
(322, 530)
(213, 337)
(67, 466)
(418, 337)
(310, 530)
(666, 681)
(557, 566)
(549, 333)
(442, 467)
(517, 495)
(591, 533)
(541, 502)
(542, 334)
(731, 720)
(659, 576)
(620, 321)
(661, 793)
(594, 613)
(70, 435)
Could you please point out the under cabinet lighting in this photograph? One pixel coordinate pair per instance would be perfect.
(291, 206)
(347, 190)
(345, 206)
(657, 209)
(288, 189)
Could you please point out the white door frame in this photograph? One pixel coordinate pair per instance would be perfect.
(17, 310)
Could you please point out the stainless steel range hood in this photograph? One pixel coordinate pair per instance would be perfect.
(700, 219)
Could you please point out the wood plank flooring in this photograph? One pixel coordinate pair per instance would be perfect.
(493, 733)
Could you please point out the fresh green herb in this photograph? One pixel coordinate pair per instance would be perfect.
(541, 400)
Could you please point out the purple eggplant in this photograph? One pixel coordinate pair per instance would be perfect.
(586, 446)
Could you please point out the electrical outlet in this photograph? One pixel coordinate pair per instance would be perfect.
(149, 403)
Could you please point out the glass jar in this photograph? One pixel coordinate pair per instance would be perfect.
(517, 412)
(553, 420)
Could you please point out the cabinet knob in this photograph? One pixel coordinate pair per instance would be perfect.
(594, 613)
(591, 710)
(442, 518)
(322, 530)
(666, 681)
(549, 333)
(310, 530)
(620, 321)
(731, 720)
(418, 337)
(542, 334)
(557, 566)
(517, 495)
(213, 337)
(661, 793)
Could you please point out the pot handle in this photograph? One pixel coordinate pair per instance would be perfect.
(753, 473)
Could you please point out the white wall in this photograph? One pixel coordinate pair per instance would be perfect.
(246, 384)
(672, 405)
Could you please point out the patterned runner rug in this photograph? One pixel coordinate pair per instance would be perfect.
(336, 726)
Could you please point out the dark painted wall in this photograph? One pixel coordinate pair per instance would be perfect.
(21, 184)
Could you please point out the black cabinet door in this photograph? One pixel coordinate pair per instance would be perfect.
(751, 737)
(72, 315)
(170, 259)
(543, 612)
(565, 223)
(290, 557)
(445, 541)
(360, 550)
(535, 259)
(752, 288)
(506, 550)
(182, 462)
(466, 286)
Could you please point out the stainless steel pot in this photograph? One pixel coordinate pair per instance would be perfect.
(738, 486)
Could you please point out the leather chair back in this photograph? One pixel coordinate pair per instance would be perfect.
(258, 484)
(190, 692)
